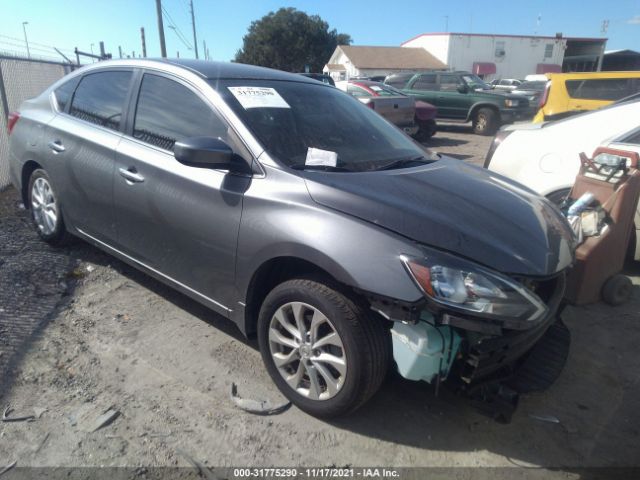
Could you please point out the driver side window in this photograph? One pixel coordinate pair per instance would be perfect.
(168, 111)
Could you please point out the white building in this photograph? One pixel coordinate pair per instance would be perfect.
(348, 61)
(511, 56)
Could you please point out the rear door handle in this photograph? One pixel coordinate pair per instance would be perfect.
(131, 175)
(56, 146)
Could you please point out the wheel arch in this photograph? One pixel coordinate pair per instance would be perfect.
(477, 106)
(279, 269)
(27, 169)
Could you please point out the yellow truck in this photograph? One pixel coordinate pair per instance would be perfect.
(567, 94)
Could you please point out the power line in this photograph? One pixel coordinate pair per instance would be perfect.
(21, 40)
(175, 28)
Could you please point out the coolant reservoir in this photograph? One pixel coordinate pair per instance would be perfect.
(423, 350)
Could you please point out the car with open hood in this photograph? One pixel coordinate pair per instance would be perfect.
(302, 216)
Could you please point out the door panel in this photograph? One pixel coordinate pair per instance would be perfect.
(182, 221)
(81, 146)
(450, 102)
(83, 173)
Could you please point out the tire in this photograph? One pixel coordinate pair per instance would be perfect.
(365, 352)
(617, 290)
(426, 131)
(46, 211)
(486, 122)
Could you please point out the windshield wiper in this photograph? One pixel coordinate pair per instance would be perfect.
(322, 168)
(403, 162)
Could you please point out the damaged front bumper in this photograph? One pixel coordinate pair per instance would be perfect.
(477, 357)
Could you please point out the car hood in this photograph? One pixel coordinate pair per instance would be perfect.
(455, 207)
(499, 93)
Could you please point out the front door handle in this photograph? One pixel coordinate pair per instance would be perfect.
(56, 146)
(131, 175)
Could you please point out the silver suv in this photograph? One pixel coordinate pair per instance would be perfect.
(302, 216)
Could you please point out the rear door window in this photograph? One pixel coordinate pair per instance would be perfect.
(64, 92)
(425, 82)
(602, 88)
(168, 112)
(100, 98)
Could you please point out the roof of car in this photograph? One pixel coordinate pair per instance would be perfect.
(218, 70)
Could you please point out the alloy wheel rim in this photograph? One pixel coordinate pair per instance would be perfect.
(307, 351)
(44, 207)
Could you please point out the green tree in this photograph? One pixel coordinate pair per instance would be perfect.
(290, 40)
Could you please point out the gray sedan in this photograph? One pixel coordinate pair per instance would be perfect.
(302, 216)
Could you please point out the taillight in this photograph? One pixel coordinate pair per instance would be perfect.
(545, 95)
(13, 119)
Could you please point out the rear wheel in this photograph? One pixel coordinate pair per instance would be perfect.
(427, 129)
(485, 121)
(46, 212)
(325, 353)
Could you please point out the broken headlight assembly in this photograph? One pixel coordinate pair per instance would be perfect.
(459, 285)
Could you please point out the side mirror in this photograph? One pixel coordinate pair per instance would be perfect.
(206, 152)
(463, 88)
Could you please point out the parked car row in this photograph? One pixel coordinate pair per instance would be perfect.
(305, 218)
(416, 118)
(465, 97)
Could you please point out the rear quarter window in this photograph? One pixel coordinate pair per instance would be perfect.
(64, 92)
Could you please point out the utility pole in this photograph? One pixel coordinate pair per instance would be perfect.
(193, 25)
(120, 51)
(144, 43)
(102, 52)
(446, 23)
(204, 49)
(178, 54)
(163, 48)
(26, 42)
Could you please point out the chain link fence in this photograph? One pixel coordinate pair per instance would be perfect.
(20, 79)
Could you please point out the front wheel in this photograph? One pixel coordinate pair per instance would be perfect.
(325, 353)
(486, 121)
(46, 212)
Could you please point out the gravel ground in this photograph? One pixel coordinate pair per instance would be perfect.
(82, 333)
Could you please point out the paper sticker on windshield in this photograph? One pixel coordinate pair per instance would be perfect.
(316, 156)
(258, 97)
(375, 88)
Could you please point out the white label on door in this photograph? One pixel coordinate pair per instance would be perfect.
(258, 97)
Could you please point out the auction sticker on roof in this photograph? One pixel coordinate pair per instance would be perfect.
(258, 97)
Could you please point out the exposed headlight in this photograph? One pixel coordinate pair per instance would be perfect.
(461, 285)
(511, 103)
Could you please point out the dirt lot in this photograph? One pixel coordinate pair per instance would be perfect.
(81, 332)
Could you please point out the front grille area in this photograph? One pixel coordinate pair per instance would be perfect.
(491, 356)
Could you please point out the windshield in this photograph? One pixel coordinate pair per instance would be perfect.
(475, 82)
(301, 124)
